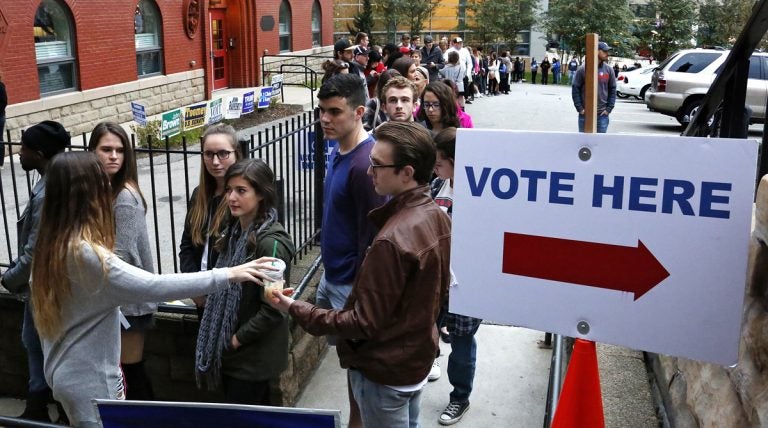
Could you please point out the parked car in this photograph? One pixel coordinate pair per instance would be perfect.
(635, 82)
(680, 83)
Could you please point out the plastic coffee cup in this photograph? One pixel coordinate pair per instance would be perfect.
(275, 281)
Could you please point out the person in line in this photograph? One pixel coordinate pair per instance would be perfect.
(350, 196)
(242, 345)
(462, 360)
(455, 72)
(421, 79)
(493, 75)
(40, 143)
(406, 66)
(196, 251)
(388, 322)
(481, 76)
(360, 60)
(399, 95)
(416, 56)
(556, 73)
(361, 39)
(545, 66)
(79, 284)
(343, 50)
(112, 147)
(3, 105)
(375, 114)
(439, 109)
(573, 65)
(534, 70)
(606, 90)
(373, 71)
(334, 67)
(517, 70)
(465, 61)
(432, 58)
(505, 68)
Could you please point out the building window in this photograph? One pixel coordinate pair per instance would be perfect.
(285, 26)
(147, 29)
(55, 48)
(317, 25)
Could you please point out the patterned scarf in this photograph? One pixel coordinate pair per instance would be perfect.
(221, 308)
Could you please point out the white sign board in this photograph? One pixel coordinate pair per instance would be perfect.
(643, 240)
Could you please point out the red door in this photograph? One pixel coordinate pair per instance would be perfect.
(218, 49)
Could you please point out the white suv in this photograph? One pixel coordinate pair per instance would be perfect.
(680, 83)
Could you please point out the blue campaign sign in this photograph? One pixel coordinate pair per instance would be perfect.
(305, 147)
(159, 414)
(139, 113)
(248, 102)
(265, 97)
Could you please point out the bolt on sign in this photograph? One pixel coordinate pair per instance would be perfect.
(638, 241)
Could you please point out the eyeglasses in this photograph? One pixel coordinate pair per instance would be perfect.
(434, 105)
(221, 154)
(376, 165)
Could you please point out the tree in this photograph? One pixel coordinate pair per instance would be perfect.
(415, 12)
(673, 29)
(363, 21)
(501, 20)
(720, 21)
(569, 21)
(389, 12)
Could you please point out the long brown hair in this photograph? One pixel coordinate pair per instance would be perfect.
(198, 216)
(127, 176)
(449, 114)
(77, 208)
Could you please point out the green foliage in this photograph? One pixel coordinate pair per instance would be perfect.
(674, 27)
(151, 132)
(501, 20)
(389, 13)
(721, 21)
(569, 21)
(415, 12)
(363, 21)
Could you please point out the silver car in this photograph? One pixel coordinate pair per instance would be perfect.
(680, 83)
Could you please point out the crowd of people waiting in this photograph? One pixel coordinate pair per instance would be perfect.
(385, 249)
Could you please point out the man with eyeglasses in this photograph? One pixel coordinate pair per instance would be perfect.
(388, 322)
(348, 192)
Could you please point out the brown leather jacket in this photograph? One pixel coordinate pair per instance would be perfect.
(388, 322)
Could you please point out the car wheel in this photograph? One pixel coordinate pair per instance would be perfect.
(620, 95)
(643, 91)
(688, 112)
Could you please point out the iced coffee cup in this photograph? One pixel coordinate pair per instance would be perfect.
(275, 281)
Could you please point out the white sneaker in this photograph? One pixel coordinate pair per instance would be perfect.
(434, 372)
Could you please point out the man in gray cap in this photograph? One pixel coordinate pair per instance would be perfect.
(39, 144)
(344, 51)
(606, 90)
(432, 58)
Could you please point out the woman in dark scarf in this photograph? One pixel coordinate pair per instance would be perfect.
(243, 342)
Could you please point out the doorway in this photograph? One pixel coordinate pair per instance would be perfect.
(219, 50)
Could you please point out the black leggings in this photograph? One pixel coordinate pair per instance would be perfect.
(492, 86)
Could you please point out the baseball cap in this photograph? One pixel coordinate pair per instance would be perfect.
(359, 50)
(342, 45)
(603, 46)
(427, 39)
(458, 40)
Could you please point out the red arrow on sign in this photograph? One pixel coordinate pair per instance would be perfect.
(614, 267)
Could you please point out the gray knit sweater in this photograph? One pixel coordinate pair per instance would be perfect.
(83, 362)
(132, 242)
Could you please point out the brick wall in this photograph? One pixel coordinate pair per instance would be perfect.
(169, 353)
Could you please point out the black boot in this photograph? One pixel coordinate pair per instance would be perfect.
(36, 407)
(137, 383)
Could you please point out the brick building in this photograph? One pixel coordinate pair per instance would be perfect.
(80, 61)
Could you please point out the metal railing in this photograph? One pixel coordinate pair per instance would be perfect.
(168, 175)
(292, 67)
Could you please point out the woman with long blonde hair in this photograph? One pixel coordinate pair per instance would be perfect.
(78, 284)
(196, 251)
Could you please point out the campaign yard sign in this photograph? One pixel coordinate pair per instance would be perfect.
(170, 123)
(248, 102)
(265, 96)
(639, 241)
(139, 113)
(194, 115)
(215, 111)
(277, 84)
(234, 107)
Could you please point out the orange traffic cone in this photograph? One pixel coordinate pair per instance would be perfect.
(581, 403)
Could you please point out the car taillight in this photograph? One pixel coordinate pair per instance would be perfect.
(661, 85)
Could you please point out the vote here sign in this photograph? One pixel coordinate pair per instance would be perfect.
(637, 241)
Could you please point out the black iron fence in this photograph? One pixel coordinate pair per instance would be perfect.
(168, 175)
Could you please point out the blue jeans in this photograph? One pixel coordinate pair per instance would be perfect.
(382, 406)
(332, 296)
(602, 123)
(571, 76)
(461, 366)
(31, 342)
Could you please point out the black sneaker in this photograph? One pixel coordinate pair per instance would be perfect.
(453, 413)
